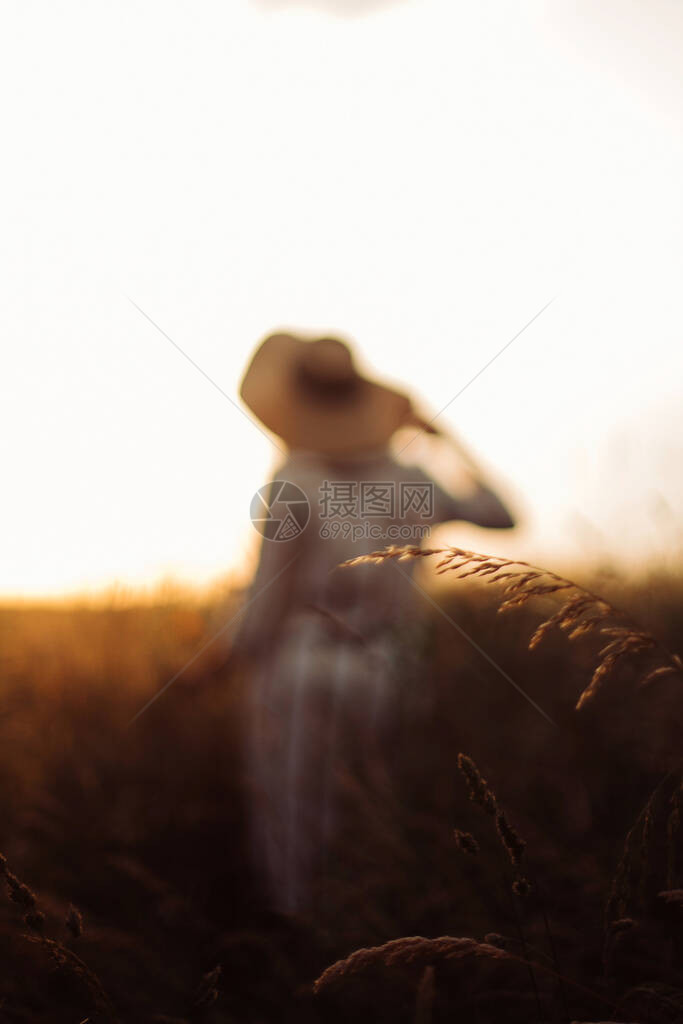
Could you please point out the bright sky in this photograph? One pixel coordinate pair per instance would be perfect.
(421, 175)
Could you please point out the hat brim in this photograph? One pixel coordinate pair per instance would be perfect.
(365, 419)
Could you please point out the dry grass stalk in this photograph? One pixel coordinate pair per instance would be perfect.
(510, 839)
(401, 554)
(621, 889)
(481, 793)
(24, 898)
(630, 881)
(655, 1003)
(645, 844)
(466, 842)
(64, 959)
(74, 922)
(521, 887)
(673, 824)
(207, 992)
(414, 951)
(424, 999)
(674, 897)
(479, 790)
(514, 846)
(581, 614)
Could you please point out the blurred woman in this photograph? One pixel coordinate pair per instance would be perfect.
(332, 649)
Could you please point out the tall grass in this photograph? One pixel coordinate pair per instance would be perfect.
(633, 908)
(142, 827)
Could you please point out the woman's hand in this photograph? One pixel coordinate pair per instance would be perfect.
(414, 419)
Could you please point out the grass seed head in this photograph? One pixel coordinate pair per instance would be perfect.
(510, 839)
(74, 921)
(480, 792)
(466, 842)
(35, 920)
(521, 887)
(583, 613)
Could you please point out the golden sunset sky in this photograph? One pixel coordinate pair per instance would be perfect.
(423, 176)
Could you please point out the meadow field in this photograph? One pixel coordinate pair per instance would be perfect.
(507, 865)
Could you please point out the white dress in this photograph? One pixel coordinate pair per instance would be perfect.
(332, 650)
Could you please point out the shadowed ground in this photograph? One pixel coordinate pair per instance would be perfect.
(143, 827)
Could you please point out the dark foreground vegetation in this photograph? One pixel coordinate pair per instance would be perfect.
(539, 877)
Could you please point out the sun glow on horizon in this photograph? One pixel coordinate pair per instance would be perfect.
(423, 180)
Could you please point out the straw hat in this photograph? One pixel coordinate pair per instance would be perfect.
(309, 393)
